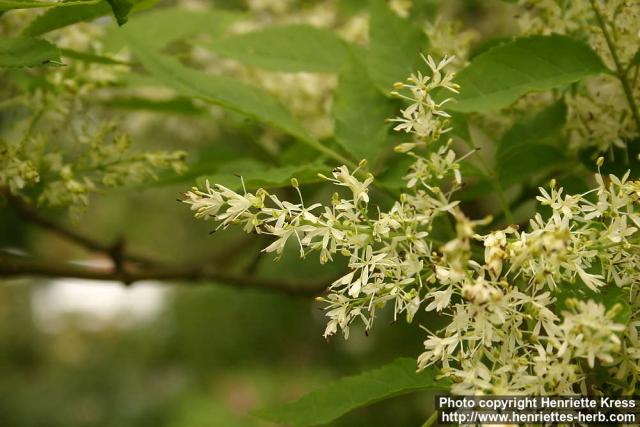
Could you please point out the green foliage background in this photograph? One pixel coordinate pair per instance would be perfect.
(216, 354)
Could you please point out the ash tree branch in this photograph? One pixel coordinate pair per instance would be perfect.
(129, 268)
(13, 266)
(114, 251)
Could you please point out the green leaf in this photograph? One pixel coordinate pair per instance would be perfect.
(532, 146)
(90, 57)
(28, 4)
(159, 27)
(485, 45)
(499, 76)
(527, 160)
(286, 48)
(394, 46)
(360, 111)
(542, 128)
(346, 394)
(121, 9)
(59, 17)
(224, 91)
(27, 52)
(256, 174)
(169, 106)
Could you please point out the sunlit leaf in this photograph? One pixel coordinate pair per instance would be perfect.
(157, 28)
(285, 48)
(502, 74)
(61, 17)
(27, 52)
(221, 90)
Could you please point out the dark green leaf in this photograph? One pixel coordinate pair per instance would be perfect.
(544, 127)
(636, 59)
(172, 106)
(617, 160)
(27, 52)
(459, 127)
(286, 48)
(346, 394)
(502, 74)
(394, 46)
(121, 9)
(526, 160)
(360, 111)
(609, 296)
(395, 169)
(532, 146)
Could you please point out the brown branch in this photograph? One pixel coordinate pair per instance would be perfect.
(114, 251)
(129, 268)
(12, 266)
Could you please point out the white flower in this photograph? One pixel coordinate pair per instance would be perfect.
(440, 299)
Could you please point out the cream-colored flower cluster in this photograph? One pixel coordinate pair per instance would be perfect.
(598, 114)
(387, 252)
(506, 335)
(543, 311)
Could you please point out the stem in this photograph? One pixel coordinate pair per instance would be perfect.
(433, 418)
(620, 71)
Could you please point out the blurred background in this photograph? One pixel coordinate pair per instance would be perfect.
(84, 353)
